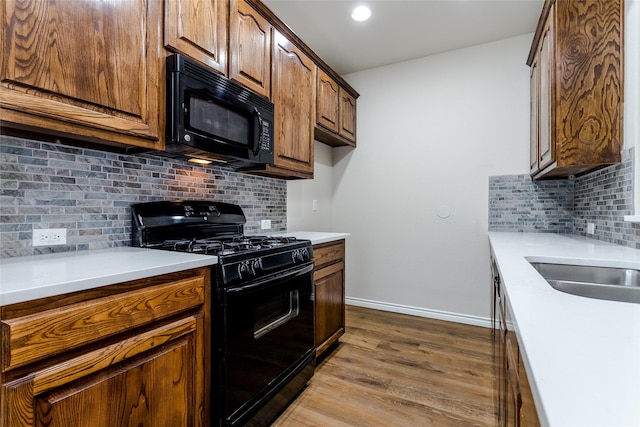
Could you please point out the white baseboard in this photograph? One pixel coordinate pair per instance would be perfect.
(421, 312)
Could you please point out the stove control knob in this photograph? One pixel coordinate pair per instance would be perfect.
(256, 265)
(245, 269)
(300, 255)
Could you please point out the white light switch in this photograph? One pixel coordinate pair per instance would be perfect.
(265, 224)
(314, 205)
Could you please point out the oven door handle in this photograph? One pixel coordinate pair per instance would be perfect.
(260, 284)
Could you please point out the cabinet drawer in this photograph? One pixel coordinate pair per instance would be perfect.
(32, 337)
(328, 253)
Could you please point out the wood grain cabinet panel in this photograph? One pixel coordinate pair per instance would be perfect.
(514, 400)
(327, 102)
(198, 29)
(335, 112)
(347, 116)
(577, 67)
(329, 282)
(293, 92)
(528, 414)
(148, 368)
(83, 69)
(32, 337)
(250, 48)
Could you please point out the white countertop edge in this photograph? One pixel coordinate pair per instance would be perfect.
(316, 237)
(32, 277)
(564, 339)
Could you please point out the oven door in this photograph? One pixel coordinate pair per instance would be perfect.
(269, 341)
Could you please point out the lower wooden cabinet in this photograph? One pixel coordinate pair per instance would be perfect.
(514, 400)
(528, 414)
(127, 354)
(329, 293)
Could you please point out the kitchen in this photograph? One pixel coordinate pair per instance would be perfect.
(487, 86)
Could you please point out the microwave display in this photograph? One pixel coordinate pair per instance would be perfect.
(220, 121)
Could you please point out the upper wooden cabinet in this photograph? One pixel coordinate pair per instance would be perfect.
(198, 28)
(250, 48)
(327, 103)
(347, 116)
(335, 112)
(83, 69)
(293, 92)
(576, 87)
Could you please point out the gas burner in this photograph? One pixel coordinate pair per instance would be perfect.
(271, 241)
(179, 245)
(225, 246)
(207, 247)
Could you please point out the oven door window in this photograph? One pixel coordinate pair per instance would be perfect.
(206, 116)
(268, 330)
(276, 312)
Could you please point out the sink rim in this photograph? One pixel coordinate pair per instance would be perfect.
(629, 293)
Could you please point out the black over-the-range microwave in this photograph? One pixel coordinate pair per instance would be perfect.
(210, 117)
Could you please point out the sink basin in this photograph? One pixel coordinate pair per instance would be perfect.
(609, 283)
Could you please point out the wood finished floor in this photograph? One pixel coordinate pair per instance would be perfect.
(397, 370)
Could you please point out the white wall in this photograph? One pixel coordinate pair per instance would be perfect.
(430, 133)
(302, 193)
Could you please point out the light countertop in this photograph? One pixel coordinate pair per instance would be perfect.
(31, 277)
(316, 237)
(582, 355)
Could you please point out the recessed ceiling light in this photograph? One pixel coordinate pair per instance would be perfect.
(361, 13)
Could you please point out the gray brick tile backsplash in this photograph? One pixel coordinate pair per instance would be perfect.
(603, 197)
(90, 192)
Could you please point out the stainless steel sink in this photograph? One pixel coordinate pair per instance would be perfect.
(609, 283)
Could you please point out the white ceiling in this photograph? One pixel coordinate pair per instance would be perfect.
(400, 30)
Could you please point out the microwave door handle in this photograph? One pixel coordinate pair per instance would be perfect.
(258, 141)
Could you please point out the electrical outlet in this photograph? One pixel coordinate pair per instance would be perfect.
(591, 228)
(49, 237)
(265, 224)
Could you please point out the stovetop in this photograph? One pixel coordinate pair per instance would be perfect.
(215, 228)
(223, 246)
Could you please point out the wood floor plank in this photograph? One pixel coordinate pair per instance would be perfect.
(397, 370)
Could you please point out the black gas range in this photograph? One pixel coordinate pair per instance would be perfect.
(262, 315)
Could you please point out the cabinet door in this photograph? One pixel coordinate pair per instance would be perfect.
(83, 69)
(534, 115)
(528, 413)
(198, 28)
(347, 116)
(250, 48)
(151, 379)
(329, 305)
(293, 87)
(327, 102)
(546, 151)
